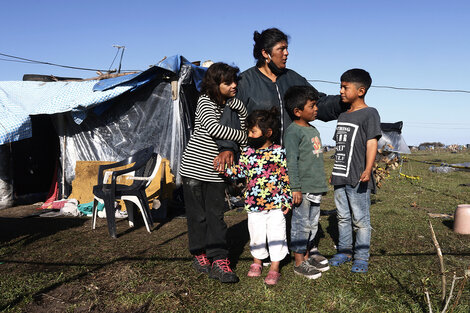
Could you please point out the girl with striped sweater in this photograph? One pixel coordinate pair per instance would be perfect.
(203, 186)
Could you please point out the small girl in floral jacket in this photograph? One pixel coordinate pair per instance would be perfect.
(268, 196)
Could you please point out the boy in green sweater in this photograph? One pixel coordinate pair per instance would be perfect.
(306, 178)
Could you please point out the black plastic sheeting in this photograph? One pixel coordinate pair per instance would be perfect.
(147, 116)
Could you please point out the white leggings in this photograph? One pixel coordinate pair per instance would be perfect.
(268, 225)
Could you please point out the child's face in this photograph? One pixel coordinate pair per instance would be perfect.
(309, 113)
(258, 140)
(228, 90)
(255, 132)
(350, 92)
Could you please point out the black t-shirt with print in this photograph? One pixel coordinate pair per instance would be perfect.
(353, 131)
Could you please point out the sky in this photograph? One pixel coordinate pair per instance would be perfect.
(404, 44)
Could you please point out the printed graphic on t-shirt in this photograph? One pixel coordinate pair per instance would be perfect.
(345, 135)
(316, 146)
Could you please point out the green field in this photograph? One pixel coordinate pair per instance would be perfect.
(61, 265)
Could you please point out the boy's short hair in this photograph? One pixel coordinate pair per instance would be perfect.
(296, 97)
(358, 76)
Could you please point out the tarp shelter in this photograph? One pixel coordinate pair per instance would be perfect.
(104, 120)
(392, 140)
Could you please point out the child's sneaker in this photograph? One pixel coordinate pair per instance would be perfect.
(255, 270)
(202, 264)
(221, 270)
(304, 269)
(318, 257)
(314, 197)
(272, 278)
(316, 261)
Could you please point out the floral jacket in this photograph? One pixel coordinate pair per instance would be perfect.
(267, 180)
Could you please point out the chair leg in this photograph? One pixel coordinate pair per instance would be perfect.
(146, 207)
(144, 215)
(94, 213)
(110, 212)
(130, 212)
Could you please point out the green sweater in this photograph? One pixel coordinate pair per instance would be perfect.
(305, 159)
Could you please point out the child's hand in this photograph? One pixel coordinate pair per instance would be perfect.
(297, 197)
(285, 210)
(365, 177)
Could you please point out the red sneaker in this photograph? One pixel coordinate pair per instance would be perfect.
(202, 264)
(221, 270)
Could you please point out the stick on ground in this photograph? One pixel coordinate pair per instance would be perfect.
(441, 261)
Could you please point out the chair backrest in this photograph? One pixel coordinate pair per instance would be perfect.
(144, 160)
(150, 169)
(156, 167)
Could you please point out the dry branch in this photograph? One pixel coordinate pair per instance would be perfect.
(462, 285)
(441, 261)
(428, 300)
(450, 293)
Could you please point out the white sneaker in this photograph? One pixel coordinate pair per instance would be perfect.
(314, 198)
(117, 214)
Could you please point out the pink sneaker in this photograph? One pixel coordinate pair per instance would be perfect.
(272, 278)
(255, 270)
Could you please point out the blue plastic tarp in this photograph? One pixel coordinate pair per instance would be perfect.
(20, 99)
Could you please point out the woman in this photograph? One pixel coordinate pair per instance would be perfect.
(264, 85)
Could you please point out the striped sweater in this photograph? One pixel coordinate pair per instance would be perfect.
(198, 157)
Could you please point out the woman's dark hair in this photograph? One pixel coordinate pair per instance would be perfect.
(266, 119)
(216, 74)
(266, 41)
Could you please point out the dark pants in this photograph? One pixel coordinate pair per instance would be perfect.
(204, 202)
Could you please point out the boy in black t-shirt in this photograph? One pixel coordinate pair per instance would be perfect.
(356, 136)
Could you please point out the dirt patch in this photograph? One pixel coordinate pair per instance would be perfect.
(77, 269)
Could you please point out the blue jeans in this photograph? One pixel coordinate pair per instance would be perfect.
(352, 205)
(304, 225)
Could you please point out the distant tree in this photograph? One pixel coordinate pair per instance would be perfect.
(434, 144)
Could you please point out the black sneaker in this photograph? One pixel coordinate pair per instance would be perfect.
(304, 269)
(318, 257)
(221, 270)
(315, 262)
(202, 264)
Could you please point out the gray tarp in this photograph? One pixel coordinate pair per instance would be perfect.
(146, 117)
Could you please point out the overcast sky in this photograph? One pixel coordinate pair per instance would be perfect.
(405, 44)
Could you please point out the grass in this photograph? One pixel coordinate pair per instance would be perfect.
(61, 265)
